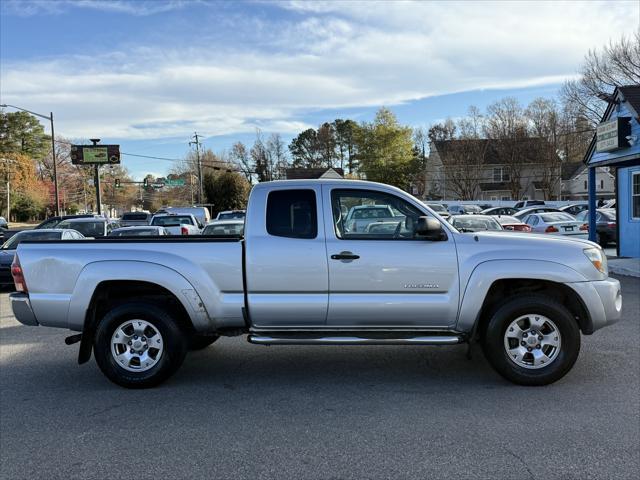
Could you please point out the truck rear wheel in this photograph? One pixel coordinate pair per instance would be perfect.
(532, 340)
(138, 345)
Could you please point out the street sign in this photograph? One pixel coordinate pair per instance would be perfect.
(95, 154)
(157, 185)
(174, 182)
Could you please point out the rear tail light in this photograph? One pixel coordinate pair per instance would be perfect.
(584, 227)
(611, 224)
(551, 229)
(525, 228)
(184, 230)
(18, 276)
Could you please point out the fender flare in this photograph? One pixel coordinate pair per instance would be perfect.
(103, 271)
(486, 273)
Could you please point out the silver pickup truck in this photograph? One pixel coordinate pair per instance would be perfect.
(300, 275)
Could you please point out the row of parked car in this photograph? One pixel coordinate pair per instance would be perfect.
(570, 220)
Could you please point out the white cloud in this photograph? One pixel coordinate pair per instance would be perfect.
(336, 55)
(138, 7)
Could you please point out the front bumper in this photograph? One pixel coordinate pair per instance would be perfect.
(602, 299)
(22, 310)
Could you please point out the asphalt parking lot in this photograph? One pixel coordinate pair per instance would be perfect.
(241, 411)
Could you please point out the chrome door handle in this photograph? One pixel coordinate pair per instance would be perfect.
(344, 256)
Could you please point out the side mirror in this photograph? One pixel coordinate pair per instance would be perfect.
(430, 229)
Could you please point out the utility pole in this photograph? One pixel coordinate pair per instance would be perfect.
(7, 161)
(196, 142)
(97, 179)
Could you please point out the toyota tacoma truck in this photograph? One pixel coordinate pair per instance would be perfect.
(301, 276)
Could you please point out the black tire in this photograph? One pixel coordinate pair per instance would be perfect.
(200, 342)
(601, 239)
(175, 345)
(496, 354)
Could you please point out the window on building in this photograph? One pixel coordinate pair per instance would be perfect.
(500, 174)
(601, 184)
(292, 213)
(635, 195)
(585, 184)
(506, 198)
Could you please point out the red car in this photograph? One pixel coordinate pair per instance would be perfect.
(512, 223)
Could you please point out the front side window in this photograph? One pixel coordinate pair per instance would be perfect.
(292, 213)
(372, 215)
(635, 195)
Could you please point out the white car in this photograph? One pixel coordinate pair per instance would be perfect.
(177, 224)
(224, 228)
(231, 215)
(140, 231)
(557, 223)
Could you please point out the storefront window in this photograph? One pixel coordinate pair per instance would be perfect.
(635, 195)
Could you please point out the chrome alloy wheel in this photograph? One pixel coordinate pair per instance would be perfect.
(137, 345)
(532, 341)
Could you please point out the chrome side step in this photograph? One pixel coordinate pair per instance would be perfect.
(354, 340)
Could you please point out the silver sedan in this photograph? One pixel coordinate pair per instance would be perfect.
(557, 223)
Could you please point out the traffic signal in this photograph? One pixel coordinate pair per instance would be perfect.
(145, 182)
(117, 183)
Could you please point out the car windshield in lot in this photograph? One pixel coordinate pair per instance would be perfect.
(32, 235)
(135, 232)
(172, 220)
(507, 219)
(557, 217)
(475, 224)
(372, 212)
(88, 229)
(436, 207)
(472, 208)
(231, 216)
(224, 230)
(134, 216)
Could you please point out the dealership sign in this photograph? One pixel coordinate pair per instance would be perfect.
(95, 154)
(613, 134)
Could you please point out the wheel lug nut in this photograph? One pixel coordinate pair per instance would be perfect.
(538, 347)
(129, 342)
(524, 344)
(539, 337)
(132, 351)
(528, 349)
(144, 339)
(525, 335)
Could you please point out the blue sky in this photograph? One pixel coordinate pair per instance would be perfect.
(146, 74)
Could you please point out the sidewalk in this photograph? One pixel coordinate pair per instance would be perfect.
(624, 266)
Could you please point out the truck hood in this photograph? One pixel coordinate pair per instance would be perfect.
(518, 248)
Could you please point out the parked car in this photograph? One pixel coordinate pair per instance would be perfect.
(511, 223)
(475, 223)
(224, 228)
(139, 231)
(298, 277)
(521, 214)
(52, 222)
(500, 211)
(201, 214)
(3, 223)
(90, 227)
(231, 215)
(177, 224)
(464, 209)
(8, 248)
(132, 219)
(360, 216)
(574, 209)
(385, 228)
(528, 203)
(606, 225)
(557, 223)
(439, 209)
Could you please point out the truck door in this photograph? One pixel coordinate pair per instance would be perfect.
(286, 262)
(383, 274)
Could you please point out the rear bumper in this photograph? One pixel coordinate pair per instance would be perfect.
(603, 300)
(21, 306)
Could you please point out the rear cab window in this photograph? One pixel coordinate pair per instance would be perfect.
(292, 213)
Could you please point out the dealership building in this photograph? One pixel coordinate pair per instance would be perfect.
(617, 144)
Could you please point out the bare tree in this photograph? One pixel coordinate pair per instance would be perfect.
(278, 159)
(240, 156)
(617, 64)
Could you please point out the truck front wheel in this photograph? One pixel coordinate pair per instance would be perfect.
(138, 345)
(532, 340)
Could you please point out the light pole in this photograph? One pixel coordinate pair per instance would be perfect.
(53, 150)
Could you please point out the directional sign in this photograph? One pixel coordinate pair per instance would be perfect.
(174, 182)
(95, 154)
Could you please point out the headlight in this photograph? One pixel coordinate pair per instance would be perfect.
(597, 257)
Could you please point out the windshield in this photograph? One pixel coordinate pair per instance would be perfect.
(232, 229)
(373, 212)
(172, 221)
(472, 208)
(231, 216)
(556, 217)
(476, 224)
(504, 219)
(134, 216)
(437, 208)
(14, 241)
(88, 229)
(138, 232)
